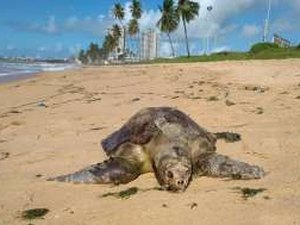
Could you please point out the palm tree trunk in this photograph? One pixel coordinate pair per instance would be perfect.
(186, 38)
(138, 51)
(124, 36)
(124, 40)
(171, 43)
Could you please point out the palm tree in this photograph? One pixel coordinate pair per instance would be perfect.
(169, 20)
(116, 34)
(136, 13)
(116, 31)
(119, 14)
(82, 56)
(187, 10)
(109, 43)
(92, 53)
(133, 27)
(136, 9)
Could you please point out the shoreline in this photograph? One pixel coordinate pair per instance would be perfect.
(25, 71)
(18, 77)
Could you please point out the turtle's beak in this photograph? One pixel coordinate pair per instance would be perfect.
(175, 189)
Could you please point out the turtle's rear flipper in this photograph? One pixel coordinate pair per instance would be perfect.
(114, 170)
(218, 165)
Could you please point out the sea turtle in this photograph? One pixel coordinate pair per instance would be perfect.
(167, 142)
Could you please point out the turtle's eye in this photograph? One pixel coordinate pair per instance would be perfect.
(188, 171)
(170, 174)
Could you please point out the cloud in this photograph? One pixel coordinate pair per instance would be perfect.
(250, 30)
(10, 47)
(165, 48)
(90, 25)
(58, 47)
(293, 4)
(74, 50)
(87, 25)
(296, 5)
(148, 19)
(50, 27)
(42, 49)
(217, 21)
(208, 23)
(282, 25)
(221, 49)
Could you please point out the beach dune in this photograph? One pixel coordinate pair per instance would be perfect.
(52, 124)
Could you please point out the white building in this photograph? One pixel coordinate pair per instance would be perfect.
(282, 42)
(149, 45)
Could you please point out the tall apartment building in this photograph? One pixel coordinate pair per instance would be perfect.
(149, 45)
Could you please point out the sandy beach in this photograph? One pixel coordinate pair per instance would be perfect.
(52, 124)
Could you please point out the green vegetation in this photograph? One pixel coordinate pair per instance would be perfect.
(264, 46)
(94, 54)
(257, 51)
(263, 53)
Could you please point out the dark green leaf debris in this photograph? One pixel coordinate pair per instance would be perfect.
(37, 213)
(249, 192)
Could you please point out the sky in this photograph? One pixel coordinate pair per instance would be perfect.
(60, 28)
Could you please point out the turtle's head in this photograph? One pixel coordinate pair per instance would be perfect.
(177, 177)
(175, 174)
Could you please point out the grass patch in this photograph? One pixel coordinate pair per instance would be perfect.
(258, 51)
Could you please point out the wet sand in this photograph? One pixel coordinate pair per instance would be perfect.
(52, 124)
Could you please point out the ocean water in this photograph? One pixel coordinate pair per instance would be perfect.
(9, 71)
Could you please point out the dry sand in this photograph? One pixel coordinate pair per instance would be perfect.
(52, 124)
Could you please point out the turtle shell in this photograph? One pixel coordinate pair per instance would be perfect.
(147, 123)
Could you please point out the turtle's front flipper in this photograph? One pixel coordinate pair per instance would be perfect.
(228, 136)
(114, 170)
(218, 165)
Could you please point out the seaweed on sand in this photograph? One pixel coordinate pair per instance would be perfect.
(249, 192)
(37, 213)
(127, 193)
